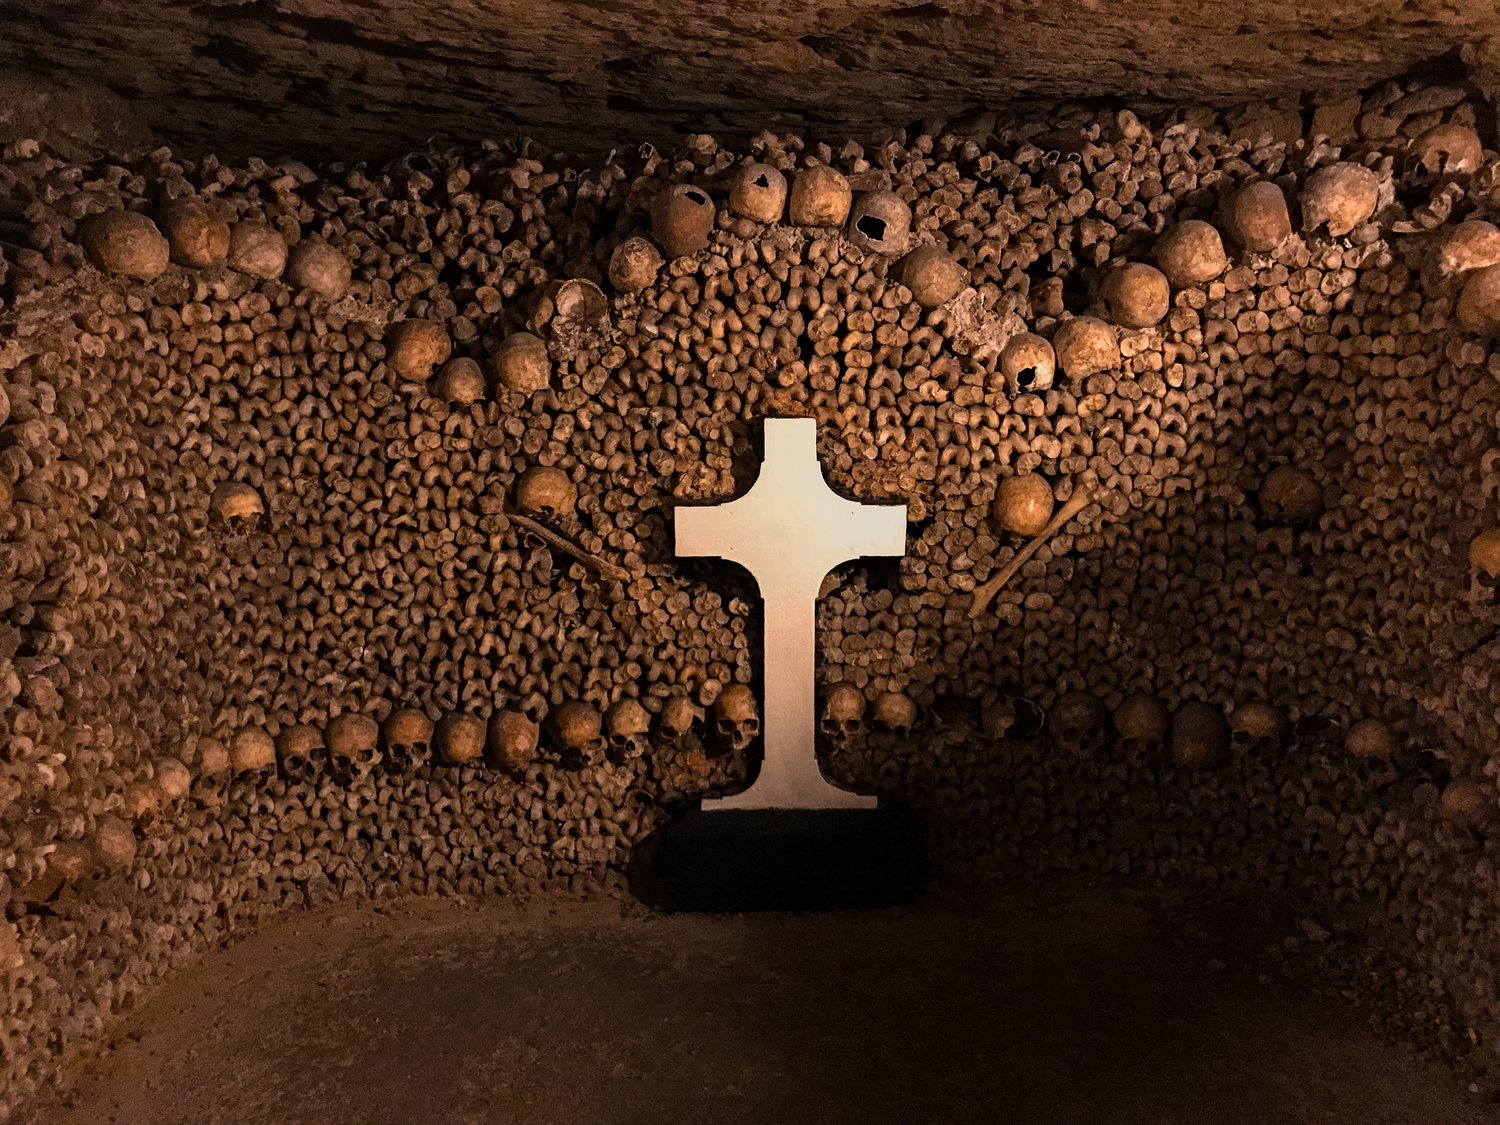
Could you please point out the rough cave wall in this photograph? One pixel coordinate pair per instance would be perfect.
(373, 78)
(142, 631)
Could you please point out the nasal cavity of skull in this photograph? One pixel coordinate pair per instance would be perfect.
(871, 227)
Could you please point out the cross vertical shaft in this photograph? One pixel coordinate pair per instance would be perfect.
(789, 531)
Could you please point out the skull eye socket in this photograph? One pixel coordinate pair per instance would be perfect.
(364, 755)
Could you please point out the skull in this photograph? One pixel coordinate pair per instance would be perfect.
(932, 275)
(1452, 261)
(140, 800)
(1141, 723)
(213, 773)
(1442, 151)
(577, 729)
(634, 265)
(1023, 503)
(1138, 295)
(758, 193)
(172, 779)
(1291, 495)
(1077, 723)
(1484, 551)
(1085, 346)
(252, 750)
(1200, 736)
(820, 197)
(414, 347)
(353, 747)
(459, 381)
(1469, 803)
(680, 714)
(1257, 726)
(408, 738)
(682, 218)
(302, 753)
(1341, 195)
(1027, 363)
(575, 313)
(546, 491)
(896, 712)
(1370, 738)
(843, 712)
(880, 221)
(1257, 217)
(1190, 253)
(237, 506)
(1478, 308)
(460, 738)
(513, 740)
(627, 722)
(521, 364)
(738, 715)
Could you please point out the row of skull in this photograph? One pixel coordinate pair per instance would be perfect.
(353, 746)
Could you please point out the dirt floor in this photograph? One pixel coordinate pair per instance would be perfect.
(1053, 1012)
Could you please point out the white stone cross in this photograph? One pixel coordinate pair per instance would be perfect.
(789, 531)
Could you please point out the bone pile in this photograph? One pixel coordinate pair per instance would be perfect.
(335, 526)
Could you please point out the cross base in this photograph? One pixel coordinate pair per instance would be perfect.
(790, 859)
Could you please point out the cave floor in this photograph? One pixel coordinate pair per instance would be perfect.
(1064, 1009)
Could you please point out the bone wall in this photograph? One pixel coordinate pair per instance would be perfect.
(247, 500)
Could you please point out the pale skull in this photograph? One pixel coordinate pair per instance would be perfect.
(738, 715)
(843, 712)
(302, 754)
(252, 751)
(513, 739)
(896, 712)
(578, 730)
(627, 722)
(1077, 723)
(172, 779)
(353, 742)
(408, 738)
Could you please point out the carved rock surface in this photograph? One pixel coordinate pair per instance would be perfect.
(372, 78)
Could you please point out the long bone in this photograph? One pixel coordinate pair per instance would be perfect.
(1082, 497)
